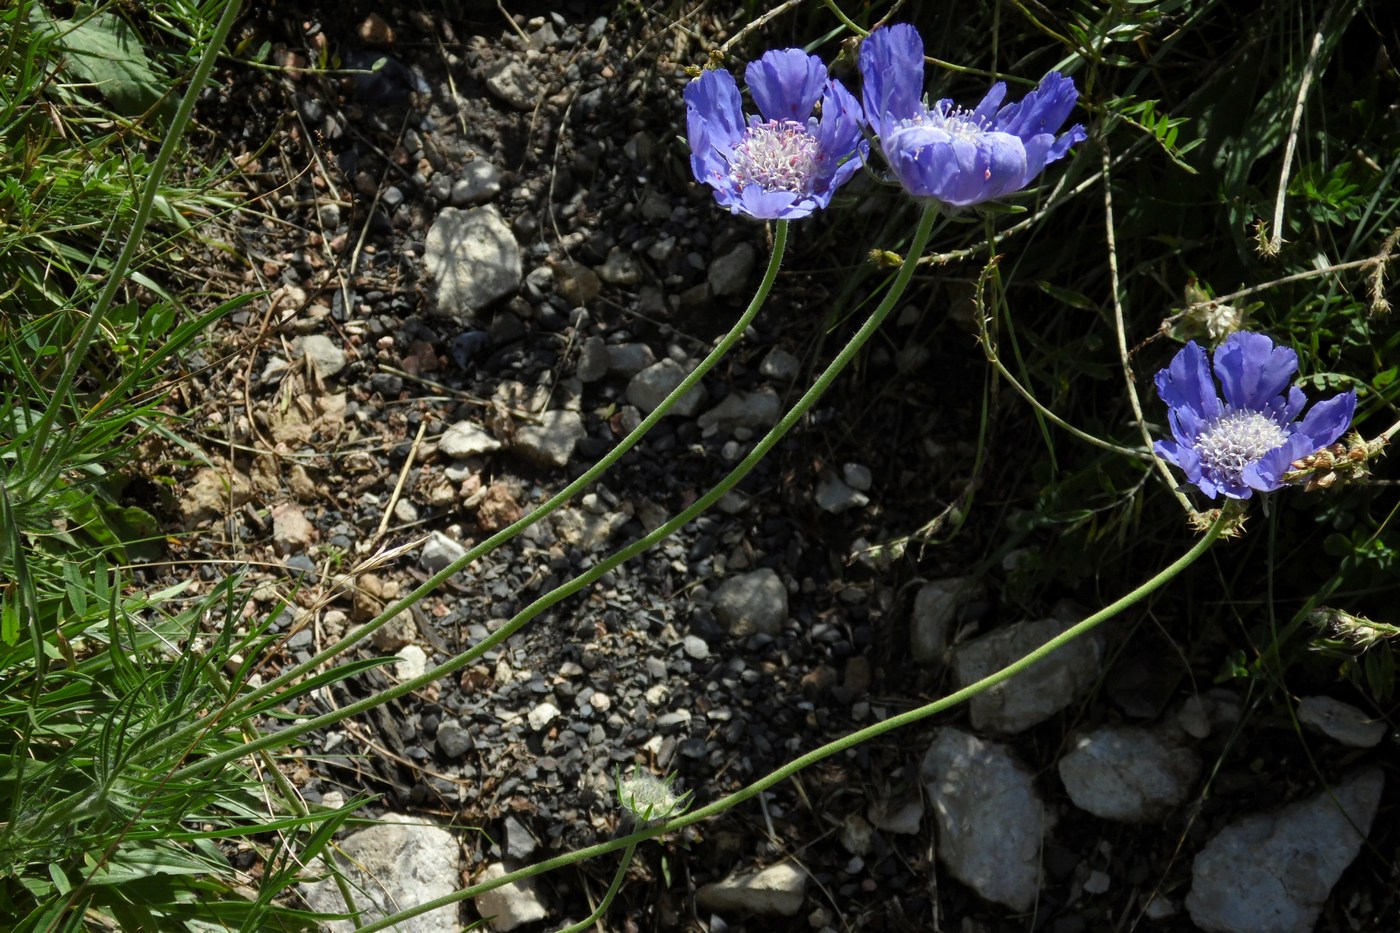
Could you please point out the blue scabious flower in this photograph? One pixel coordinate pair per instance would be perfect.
(956, 156)
(787, 163)
(1248, 441)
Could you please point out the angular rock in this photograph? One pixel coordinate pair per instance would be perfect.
(291, 532)
(323, 354)
(628, 359)
(620, 268)
(836, 497)
(650, 387)
(752, 603)
(551, 442)
(576, 283)
(454, 738)
(1341, 722)
(1272, 872)
(1038, 692)
(990, 819)
(213, 493)
(412, 662)
(729, 274)
(465, 439)
(510, 905)
(480, 182)
(1128, 773)
(777, 890)
(592, 360)
(474, 260)
(397, 864)
(439, 551)
(780, 364)
(512, 82)
(936, 607)
(758, 409)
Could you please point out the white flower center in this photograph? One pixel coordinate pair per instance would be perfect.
(957, 122)
(779, 155)
(1237, 440)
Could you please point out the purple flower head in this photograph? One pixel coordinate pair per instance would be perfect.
(956, 156)
(787, 163)
(1248, 441)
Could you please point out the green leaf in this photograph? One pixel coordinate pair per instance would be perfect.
(102, 49)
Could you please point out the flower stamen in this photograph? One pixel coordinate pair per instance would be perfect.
(1235, 441)
(780, 155)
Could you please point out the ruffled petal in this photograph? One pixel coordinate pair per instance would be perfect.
(1252, 371)
(1043, 110)
(713, 100)
(987, 110)
(1266, 473)
(1327, 421)
(1186, 384)
(772, 205)
(839, 132)
(786, 83)
(892, 75)
(1075, 134)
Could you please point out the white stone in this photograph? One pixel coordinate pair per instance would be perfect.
(991, 821)
(510, 905)
(1038, 692)
(936, 606)
(439, 551)
(1341, 721)
(1272, 872)
(777, 890)
(650, 387)
(1127, 773)
(511, 81)
(323, 354)
(542, 715)
(751, 603)
(759, 409)
(473, 258)
(465, 439)
(413, 662)
(551, 442)
(398, 864)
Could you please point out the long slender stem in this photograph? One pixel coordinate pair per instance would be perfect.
(253, 697)
(1163, 577)
(788, 421)
(607, 898)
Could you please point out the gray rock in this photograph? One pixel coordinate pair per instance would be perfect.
(857, 476)
(729, 274)
(412, 662)
(650, 387)
(439, 551)
(835, 496)
(400, 863)
(777, 890)
(780, 364)
(551, 442)
(628, 359)
(990, 819)
(1035, 694)
(593, 360)
(479, 183)
(465, 439)
(695, 647)
(586, 530)
(323, 354)
(454, 738)
(935, 609)
(759, 409)
(511, 82)
(1272, 872)
(900, 816)
(1341, 721)
(474, 260)
(576, 283)
(1128, 773)
(519, 843)
(291, 532)
(620, 268)
(751, 603)
(510, 905)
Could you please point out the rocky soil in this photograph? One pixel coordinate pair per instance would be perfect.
(485, 261)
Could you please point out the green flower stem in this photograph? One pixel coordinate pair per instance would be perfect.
(116, 275)
(607, 898)
(1222, 520)
(253, 697)
(809, 398)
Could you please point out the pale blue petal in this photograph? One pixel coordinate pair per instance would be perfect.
(786, 83)
(1252, 371)
(892, 75)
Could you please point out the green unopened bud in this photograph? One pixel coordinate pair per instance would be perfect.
(649, 799)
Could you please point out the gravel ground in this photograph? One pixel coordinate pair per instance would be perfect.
(369, 404)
